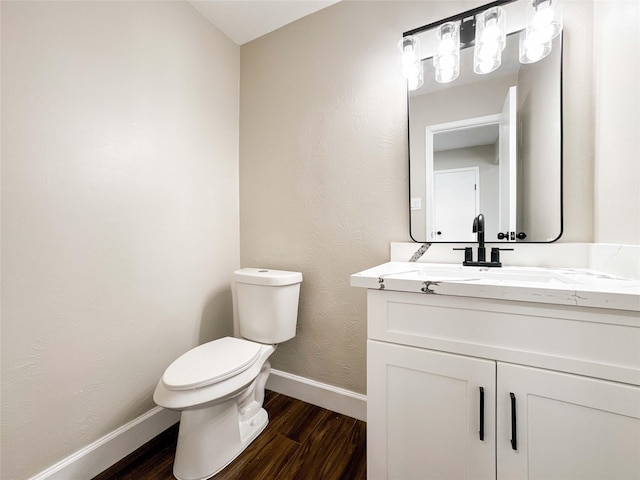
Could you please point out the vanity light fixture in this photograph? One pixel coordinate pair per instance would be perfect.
(544, 23)
(411, 62)
(484, 28)
(446, 59)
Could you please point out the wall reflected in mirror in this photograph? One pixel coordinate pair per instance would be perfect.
(489, 144)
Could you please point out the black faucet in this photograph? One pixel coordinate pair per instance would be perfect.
(478, 228)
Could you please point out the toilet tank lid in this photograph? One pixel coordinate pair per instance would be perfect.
(266, 276)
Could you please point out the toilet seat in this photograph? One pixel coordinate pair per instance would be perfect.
(211, 363)
(190, 398)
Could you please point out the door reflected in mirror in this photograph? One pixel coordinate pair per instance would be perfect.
(456, 153)
(488, 144)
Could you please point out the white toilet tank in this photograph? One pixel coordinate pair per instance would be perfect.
(267, 302)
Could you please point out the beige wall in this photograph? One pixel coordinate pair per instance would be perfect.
(119, 212)
(324, 187)
(617, 127)
(323, 161)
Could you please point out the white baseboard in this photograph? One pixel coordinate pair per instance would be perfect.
(326, 396)
(113, 447)
(104, 452)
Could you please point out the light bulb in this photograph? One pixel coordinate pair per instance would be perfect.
(491, 26)
(415, 83)
(411, 63)
(486, 66)
(490, 40)
(542, 17)
(488, 50)
(542, 34)
(531, 49)
(410, 47)
(447, 58)
(446, 62)
(408, 57)
(447, 45)
(411, 70)
(491, 33)
(446, 75)
(535, 52)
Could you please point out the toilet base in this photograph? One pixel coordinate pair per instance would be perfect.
(210, 438)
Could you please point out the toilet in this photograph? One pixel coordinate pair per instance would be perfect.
(219, 386)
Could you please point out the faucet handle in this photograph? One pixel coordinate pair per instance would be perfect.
(468, 253)
(495, 253)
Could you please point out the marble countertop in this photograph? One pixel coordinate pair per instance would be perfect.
(574, 287)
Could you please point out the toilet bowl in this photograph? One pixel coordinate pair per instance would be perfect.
(219, 386)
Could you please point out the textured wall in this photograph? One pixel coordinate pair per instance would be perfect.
(119, 212)
(617, 113)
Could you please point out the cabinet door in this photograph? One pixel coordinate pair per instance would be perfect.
(423, 415)
(567, 426)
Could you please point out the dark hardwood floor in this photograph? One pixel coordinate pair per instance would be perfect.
(301, 442)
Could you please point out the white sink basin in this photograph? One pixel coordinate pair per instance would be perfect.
(506, 274)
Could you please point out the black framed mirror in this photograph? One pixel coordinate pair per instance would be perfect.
(487, 143)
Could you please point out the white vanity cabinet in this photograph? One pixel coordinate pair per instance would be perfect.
(423, 414)
(568, 426)
(555, 390)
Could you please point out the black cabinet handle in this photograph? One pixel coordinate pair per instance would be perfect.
(482, 414)
(514, 433)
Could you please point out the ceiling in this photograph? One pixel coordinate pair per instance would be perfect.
(246, 20)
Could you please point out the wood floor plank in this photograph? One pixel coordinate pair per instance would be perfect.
(325, 455)
(356, 468)
(294, 419)
(264, 464)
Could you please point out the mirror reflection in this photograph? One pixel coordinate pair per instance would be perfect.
(488, 144)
